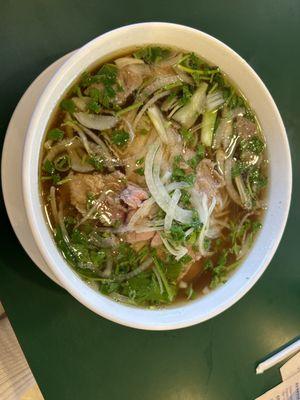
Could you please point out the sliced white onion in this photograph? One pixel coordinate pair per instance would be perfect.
(157, 84)
(94, 121)
(171, 211)
(188, 114)
(123, 61)
(130, 129)
(200, 202)
(178, 251)
(81, 102)
(214, 100)
(148, 104)
(157, 189)
(228, 180)
(159, 123)
(145, 208)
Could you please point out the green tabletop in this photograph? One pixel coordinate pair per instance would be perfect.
(75, 354)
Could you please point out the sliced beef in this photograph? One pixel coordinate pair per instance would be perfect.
(133, 196)
(208, 180)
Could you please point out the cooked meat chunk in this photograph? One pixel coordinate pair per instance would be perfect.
(156, 240)
(133, 196)
(81, 185)
(131, 78)
(245, 128)
(208, 180)
(133, 237)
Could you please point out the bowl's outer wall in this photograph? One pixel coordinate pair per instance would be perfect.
(279, 189)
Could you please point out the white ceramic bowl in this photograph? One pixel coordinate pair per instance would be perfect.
(280, 174)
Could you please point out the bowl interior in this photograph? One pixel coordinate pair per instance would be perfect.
(279, 160)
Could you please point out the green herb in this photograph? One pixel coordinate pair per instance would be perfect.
(186, 95)
(177, 233)
(219, 272)
(55, 134)
(185, 198)
(200, 154)
(108, 74)
(190, 293)
(208, 265)
(90, 200)
(94, 107)
(68, 105)
(180, 175)
(120, 137)
(152, 54)
(140, 171)
(140, 161)
(62, 163)
(97, 161)
(170, 289)
(129, 108)
(187, 135)
(255, 145)
(239, 168)
(257, 179)
(49, 167)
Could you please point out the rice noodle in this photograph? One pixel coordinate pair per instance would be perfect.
(53, 204)
(171, 211)
(149, 104)
(61, 223)
(130, 129)
(228, 180)
(146, 264)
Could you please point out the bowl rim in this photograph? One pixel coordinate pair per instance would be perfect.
(115, 310)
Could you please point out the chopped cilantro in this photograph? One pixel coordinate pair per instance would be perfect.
(177, 233)
(255, 145)
(257, 179)
(62, 163)
(152, 54)
(120, 137)
(239, 168)
(55, 134)
(97, 162)
(140, 171)
(94, 107)
(186, 95)
(68, 105)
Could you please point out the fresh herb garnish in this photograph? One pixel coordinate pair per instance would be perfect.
(55, 134)
(152, 54)
(68, 105)
(120, 137)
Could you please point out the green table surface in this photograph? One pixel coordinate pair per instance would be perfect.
(75, 354)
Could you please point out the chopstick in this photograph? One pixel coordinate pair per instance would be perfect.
(278, 357)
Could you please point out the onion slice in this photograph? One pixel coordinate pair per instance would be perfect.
(171, 211)
(98, 122)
